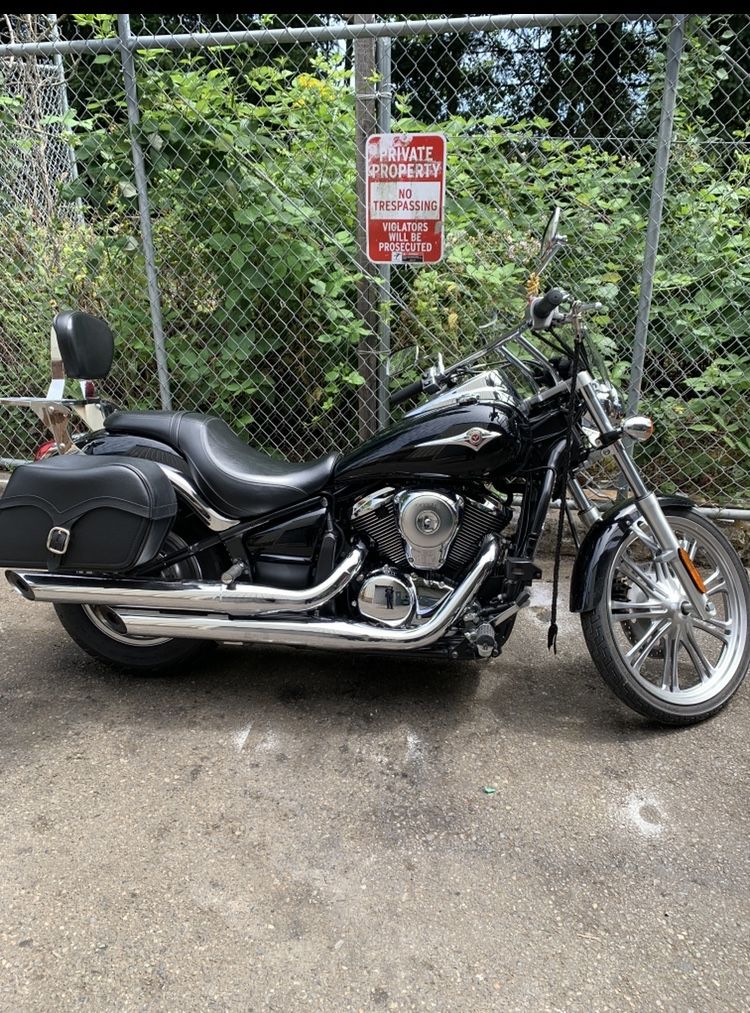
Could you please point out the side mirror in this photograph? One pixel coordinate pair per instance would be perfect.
(550, 244)
(551, 232)
(402, 361)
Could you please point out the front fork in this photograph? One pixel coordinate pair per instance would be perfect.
(647, 502)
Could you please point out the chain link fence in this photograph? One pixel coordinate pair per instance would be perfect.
(192, 178)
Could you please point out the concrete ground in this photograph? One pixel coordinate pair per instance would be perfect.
(286, 831)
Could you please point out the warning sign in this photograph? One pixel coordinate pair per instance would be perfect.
(405, 198)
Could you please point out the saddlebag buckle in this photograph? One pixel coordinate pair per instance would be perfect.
(58, 540)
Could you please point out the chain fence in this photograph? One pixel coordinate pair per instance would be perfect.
(192, 178)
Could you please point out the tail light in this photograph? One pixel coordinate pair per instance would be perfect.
(45, 450)
(89, 389)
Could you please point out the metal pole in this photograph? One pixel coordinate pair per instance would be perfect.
(367, 288)
(323, 33)
(675, 44)
(141, 183)
(57, 61)
(385, 97)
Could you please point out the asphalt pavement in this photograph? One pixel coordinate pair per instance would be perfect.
(281, 830)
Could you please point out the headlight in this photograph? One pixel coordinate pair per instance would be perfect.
(609, 398)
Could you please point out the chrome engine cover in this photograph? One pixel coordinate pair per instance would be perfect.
(428, 522)
(387, 599)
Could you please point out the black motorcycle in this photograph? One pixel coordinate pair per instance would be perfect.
(160, 532)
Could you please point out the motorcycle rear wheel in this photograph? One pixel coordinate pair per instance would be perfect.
(650, 648)
(91, 629)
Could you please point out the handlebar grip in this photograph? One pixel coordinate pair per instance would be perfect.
(411, 390)
(548, 303)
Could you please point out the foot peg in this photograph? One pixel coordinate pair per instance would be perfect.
(484, 641)
(231, 575)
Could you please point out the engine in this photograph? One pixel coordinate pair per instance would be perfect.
(425, 530)
(419, 530)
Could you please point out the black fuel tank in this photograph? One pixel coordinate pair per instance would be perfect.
(445, 442)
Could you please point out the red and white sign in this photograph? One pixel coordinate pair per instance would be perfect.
(405, 198)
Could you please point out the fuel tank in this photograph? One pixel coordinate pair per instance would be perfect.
(476, 429)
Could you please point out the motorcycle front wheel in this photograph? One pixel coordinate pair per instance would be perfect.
(645, 639)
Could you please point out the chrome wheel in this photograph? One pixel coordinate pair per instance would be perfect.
(93, 627)
(100, 617)
(668, 651)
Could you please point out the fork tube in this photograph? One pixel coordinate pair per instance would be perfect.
(625, 462)
(587, 512)
(648, 502)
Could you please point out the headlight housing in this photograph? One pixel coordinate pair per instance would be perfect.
(609, 398)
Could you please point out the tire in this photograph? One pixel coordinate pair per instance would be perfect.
(89, 628)
(660, 659)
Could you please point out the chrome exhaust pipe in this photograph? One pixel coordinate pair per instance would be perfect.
(187, 596)
(324, 633)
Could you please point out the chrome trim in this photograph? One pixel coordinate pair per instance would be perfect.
(188, 596)
(638, 427)
(395, 610)
(487, 388)
(427, 549)
(373, 501)
(549, 392)
(588, 512)
(430, 595)
(326, 633)
(210, 517)
(474, 438)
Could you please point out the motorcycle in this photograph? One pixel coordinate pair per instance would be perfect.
(158, 533)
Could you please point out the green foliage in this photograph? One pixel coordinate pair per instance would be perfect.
(248, 198)
(251, 186)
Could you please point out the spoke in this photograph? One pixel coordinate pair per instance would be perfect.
(623, 611)
(664, 571)
(715, 584)
(639, 576)
(698, 658)
(670, 673)
(647, 540)
(640, 651)
(719, 628)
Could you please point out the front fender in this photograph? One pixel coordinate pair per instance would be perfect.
(600, 544)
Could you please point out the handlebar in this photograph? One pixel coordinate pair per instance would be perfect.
(541, 309)
(541, 316)
(411, 390)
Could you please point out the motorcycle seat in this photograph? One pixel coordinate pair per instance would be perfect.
(233, 478)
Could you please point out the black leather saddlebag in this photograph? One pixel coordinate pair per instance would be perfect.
(85, 513)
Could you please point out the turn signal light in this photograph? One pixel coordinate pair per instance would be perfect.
(692, 569)
(638, 427)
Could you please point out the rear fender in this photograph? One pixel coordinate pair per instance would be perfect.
(599, 546)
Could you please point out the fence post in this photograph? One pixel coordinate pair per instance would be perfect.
(147, 239)
(385, 96)
(57, 60)
(675, 43)
(367, 288)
